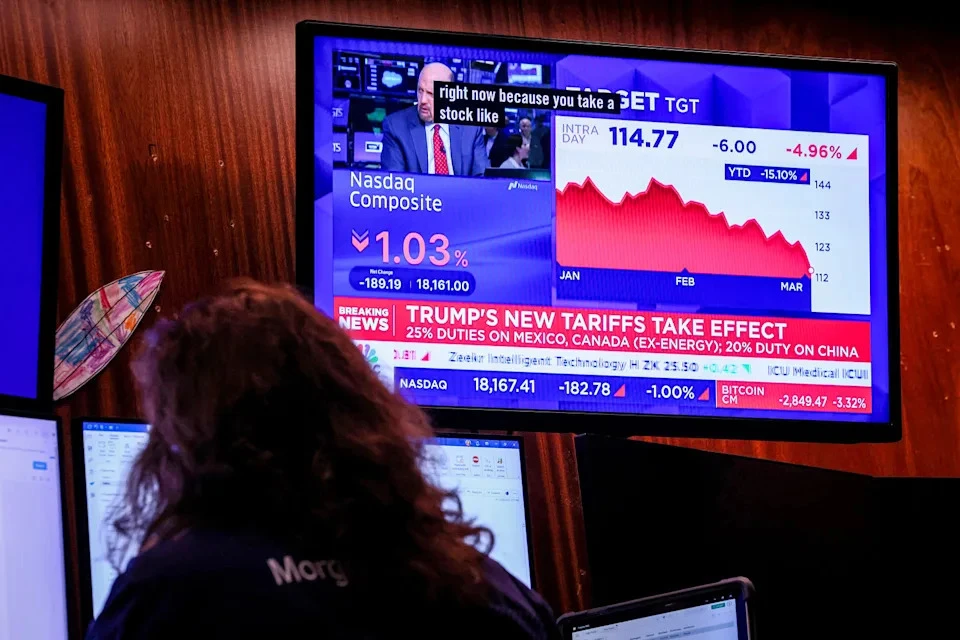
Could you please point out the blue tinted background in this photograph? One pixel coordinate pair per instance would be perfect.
(734, 96)
(22, 145)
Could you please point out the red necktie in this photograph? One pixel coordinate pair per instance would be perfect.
(439, 154)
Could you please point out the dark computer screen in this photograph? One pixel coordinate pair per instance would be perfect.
(30, 140)
(660, 518)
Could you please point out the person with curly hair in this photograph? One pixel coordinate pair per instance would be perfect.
(280, 494)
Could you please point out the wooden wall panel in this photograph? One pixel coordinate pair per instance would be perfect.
(180, 156)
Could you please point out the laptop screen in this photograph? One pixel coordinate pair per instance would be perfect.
(709, 621)
(488, 476)
(31, 139)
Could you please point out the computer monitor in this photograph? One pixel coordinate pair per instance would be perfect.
(524, 73)
(489, 476)
(31, 146)
(101, 462)
(33, 584)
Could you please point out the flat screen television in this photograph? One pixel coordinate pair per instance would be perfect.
(667, 242)
(31, 148)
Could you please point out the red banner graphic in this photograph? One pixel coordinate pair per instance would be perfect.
(604, 330)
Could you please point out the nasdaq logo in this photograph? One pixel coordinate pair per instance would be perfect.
(526, 186)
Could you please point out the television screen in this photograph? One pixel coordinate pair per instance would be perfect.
(392, 75)
(580, 229)
(31, 136)
(340, 112)
(524, 73)
(366, 147)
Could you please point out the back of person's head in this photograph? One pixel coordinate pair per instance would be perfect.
(266, 417)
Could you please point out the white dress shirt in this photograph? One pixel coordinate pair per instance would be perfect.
(445, 137)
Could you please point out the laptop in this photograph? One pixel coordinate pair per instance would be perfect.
(718, 611)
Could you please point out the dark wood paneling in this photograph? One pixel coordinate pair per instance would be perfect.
(180, 156)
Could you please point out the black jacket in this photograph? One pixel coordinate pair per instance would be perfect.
(215, 585)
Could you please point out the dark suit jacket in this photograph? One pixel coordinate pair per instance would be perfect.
(500, 150)
(405, 146)
(539, 148)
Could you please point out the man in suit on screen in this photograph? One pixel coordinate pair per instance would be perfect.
(414, 143)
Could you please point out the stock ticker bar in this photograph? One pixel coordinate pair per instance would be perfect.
(623, 395)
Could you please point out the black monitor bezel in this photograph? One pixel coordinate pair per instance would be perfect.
(52, 98)
(81, 511)
(64, 510)
(739, 589)
(523, 479)
(606, 423)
